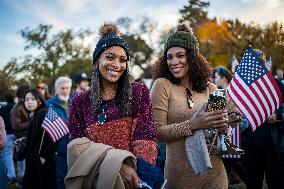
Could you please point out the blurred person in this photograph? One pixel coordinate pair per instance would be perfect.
(82, 84)
(9, 148)
(20, 123)
(116, 112)
(222, 77)
(264, 148)
(181, 88)
(3, 172)
(279, 75)
(60, 104)
(43, 89)
(40, 150)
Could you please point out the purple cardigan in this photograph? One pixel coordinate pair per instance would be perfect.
(140, 138)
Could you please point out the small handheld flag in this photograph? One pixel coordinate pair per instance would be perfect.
(54, 125)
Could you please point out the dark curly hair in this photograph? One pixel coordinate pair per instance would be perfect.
(199, 70)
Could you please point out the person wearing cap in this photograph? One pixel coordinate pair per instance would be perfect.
(43, 89)
(115, 111)
(180, 90)
(82, 84)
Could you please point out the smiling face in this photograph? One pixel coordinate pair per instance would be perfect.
(112, 63)
(31, 102)
(177, 62)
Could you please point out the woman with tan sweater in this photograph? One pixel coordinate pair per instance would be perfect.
(179, 95)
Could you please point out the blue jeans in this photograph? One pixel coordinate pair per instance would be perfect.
(9, 156)
(3, 171)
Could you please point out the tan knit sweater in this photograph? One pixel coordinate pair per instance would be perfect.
(171, 113)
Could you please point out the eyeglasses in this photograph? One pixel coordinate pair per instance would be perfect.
(102, 116)
(189, 99)
(40, 87)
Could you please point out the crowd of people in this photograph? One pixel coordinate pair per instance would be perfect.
(122, 134)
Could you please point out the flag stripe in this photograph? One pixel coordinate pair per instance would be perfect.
(260, 88)
(65, 128)
(267, 94)
(50, 126)
(272, 88)
(264, 105)
(241, 107)
(259, 104)
(53, 126)
(242, 98)
(58, 127)
(248, 98)
(270, 92)
(276, 88)
(50, 133)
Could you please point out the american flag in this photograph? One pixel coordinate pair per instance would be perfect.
(253, 90)
(54, 125)
(235, 139)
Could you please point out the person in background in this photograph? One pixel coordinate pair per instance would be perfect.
(40, 150)
(82, 84)
(222, 77)
(20, 123)
(279, 75)
(9, 148)
(43, 89)
(3, 172)
(60, 104)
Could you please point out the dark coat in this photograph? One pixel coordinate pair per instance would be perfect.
(38, 175)
(20, 120)
(5, 114)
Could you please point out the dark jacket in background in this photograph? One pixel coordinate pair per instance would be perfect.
(5, 114)
(38, 175)
(20, 120)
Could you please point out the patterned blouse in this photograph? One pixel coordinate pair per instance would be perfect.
(135, 133)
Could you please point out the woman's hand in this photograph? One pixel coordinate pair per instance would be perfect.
(42, 160)
(272, 118)
(129, 175)
(215, 119)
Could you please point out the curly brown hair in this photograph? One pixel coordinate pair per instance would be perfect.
(199, 71)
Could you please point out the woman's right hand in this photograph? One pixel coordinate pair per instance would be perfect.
(215, 119)
(129, 175)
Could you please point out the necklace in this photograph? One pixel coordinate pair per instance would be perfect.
(188, 98)
(102, 115)
(108, 96)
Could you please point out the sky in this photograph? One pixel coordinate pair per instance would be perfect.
(82, 14)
